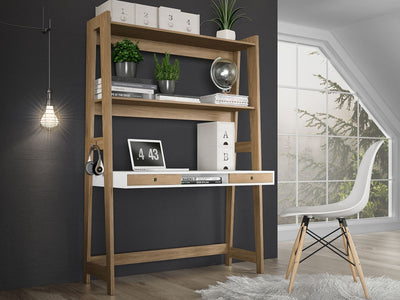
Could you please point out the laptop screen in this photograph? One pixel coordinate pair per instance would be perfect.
(146, 154)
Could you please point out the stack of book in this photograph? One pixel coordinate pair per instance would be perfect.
(226, 99)
(128, 87)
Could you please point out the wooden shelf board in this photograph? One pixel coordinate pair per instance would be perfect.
(178, 38)
(177, 104)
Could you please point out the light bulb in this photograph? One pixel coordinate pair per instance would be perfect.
(49, 119)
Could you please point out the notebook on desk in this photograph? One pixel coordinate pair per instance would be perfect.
(148, 156)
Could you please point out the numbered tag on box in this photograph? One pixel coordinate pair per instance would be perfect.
(168, 18)
(189, 23)
(121, 11)
(146, 15)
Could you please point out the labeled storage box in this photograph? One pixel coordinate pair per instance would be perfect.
(121, 11)
(168, 18)
(216, 146)
(146, 15)
(189, 23)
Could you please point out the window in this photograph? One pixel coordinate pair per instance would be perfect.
(323, 132)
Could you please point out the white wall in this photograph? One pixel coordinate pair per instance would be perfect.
(374, 46)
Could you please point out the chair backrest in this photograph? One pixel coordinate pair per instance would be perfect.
(359, 195)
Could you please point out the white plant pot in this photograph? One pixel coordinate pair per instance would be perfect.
(226, 34)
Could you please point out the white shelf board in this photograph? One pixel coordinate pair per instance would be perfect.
(120, 179)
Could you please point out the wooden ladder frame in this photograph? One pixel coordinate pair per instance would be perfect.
(99, 32)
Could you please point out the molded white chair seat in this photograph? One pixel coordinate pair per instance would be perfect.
(353, 204)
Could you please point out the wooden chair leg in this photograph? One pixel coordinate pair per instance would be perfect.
(293, 254)
(350, 255)
(298, 253)
(356, 261)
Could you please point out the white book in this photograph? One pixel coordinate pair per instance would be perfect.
(180, 98)
(125, 89)
(126, 95)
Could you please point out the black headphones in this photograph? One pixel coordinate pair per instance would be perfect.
(94, 167)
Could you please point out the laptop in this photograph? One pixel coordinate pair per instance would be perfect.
(148, 156)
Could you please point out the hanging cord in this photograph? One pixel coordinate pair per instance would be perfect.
(49, 49)
(44, 30)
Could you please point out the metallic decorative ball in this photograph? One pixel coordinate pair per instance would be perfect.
(224, 74)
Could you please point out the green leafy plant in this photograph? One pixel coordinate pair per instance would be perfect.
(165, 70)
(126, 50)
(226, 14)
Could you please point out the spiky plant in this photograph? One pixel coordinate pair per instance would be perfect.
(226, 14)
(165, 70)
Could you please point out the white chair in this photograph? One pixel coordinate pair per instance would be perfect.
(353, 204)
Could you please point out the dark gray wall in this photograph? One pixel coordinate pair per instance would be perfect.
(41, 204)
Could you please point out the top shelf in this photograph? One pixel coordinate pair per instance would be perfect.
(178, 38)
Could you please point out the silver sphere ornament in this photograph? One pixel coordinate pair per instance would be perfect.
(224, 73)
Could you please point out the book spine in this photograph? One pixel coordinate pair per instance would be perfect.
(226, 102)
(201, 181)
(126, 89)
(126, 95)
(129, 81)
(179, 99)
(130, 84)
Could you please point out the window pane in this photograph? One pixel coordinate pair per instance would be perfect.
(312, 112)
(342, 114)
(377, 205)
(338, 191)
(368, 126)
(311, 194)
(312, 67)
(342, 158)
(287, 198)
(336, 81)
(287, 158)
(312, 158)
(286, 64)
(381, 164)
(286, 110)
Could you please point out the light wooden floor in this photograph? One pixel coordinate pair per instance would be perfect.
(379, 254)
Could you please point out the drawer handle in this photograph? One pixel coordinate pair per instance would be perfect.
(251, 177)
(155, 179)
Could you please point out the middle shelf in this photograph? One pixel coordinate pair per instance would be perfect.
(162, 109)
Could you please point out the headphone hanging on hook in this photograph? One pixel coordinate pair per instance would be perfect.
(94, 167)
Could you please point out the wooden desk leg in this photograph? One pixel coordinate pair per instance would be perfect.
(229, 218)
(258, 228)
(87, 239)
(109, 219)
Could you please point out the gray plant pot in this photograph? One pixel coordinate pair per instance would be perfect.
(166, 86)
(125, 69)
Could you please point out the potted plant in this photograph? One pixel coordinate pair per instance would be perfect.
(225, 16)
(166, 74)
(126, 55)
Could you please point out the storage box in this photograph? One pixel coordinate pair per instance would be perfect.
(216, 146)
(168, 18)
(121, 11)
(189, 23)
(146, 15)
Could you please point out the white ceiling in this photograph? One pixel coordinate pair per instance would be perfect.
(331, 14)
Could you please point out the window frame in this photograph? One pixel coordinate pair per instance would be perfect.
(392, 213)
